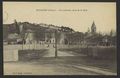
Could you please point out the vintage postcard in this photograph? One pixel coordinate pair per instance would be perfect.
(59, 38)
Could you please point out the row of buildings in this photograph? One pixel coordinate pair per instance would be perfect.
(26, 33)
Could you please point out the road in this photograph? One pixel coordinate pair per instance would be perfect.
(51, 53)
(52, 66)
(67, 63)
(35, 68)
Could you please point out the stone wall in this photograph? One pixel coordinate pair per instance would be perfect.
(10, 55)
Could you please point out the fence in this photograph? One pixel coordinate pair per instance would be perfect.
(37, 46)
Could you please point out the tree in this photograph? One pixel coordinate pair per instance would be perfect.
(66, 29)
(17, 27)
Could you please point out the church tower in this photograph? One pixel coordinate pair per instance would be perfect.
(93, 28)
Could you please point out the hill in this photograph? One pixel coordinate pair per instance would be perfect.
(36, 28)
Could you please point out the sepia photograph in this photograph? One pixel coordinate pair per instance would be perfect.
(59, 38)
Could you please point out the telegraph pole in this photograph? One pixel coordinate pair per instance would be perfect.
(55, 43)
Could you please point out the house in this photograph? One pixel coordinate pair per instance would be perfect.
(29, 37)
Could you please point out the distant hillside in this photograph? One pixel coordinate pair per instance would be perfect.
(8, 29)
(37, 28)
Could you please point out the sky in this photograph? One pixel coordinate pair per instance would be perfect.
(76, 15)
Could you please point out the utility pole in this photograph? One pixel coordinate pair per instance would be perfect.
(22, 43)
(55, 43)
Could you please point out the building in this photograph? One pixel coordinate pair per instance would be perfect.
(29, 37)
(52, 34)
(93, 28)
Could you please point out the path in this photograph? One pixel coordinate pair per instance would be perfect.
(51, 53)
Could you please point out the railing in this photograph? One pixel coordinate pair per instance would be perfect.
(45, 46)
